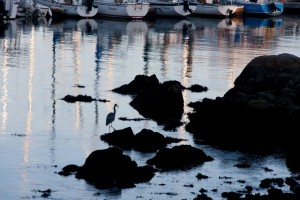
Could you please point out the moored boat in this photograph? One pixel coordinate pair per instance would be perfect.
(218, 10)
(133, 9)
(261, 8)
(71, 8)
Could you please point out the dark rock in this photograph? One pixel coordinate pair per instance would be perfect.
(144, 141)
(150, 141)
(253, 115)
(164, 105)
(140, 84)
(297, 191)
(68, 170)
(197, 88)
(201, 176)
(178, 157)
(292, 158)
(291, 182)
(268, 182)
(231, 195)
(109, 168)
(122, 138)
(162, 102)
(82, 98)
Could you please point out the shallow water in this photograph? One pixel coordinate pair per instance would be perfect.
(43, 61)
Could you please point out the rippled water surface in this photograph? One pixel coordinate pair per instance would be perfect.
(43, 61)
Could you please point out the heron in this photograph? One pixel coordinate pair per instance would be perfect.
(111, 117)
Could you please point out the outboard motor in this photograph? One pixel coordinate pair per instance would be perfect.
(89, 5)
(186, 6)
(273, 7)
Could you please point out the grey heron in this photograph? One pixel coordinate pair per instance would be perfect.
(111, 117)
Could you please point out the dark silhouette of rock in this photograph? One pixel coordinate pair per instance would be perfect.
(144, 141)
(260, 113)
(292, 158)
(178, 157)
(164, 105)
(197, 88)
(81, 98)
(162, 102)
(68, 170)
(139, 85)
(109, 168)
(123, 138)
(73, 99)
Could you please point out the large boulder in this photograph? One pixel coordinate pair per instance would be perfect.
(108, 168)
(162, 102)
(261, 111)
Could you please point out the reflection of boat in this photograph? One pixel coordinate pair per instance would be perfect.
(221, 23)
(126, 27)
(168, 24)
(173, 8)
(261, 8)
(135, 9)
(261, 22)
(87, 25)
(70, 24)
(76, 8)
(217, 10)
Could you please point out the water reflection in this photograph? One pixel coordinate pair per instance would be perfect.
(102, 54)
(263, 22)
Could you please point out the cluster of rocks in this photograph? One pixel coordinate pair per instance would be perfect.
(109, 168)
(259, 114)
(162, 102)
(144, 141)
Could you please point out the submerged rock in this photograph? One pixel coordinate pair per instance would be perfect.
(178, 157)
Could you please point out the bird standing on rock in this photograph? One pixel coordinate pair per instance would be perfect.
(111, 117)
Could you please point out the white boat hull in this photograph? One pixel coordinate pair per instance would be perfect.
(217, 10)
(172, 9)
(133, 10)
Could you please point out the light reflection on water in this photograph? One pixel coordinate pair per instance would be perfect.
(44, 61)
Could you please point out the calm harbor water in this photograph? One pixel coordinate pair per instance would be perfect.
(43, 61)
